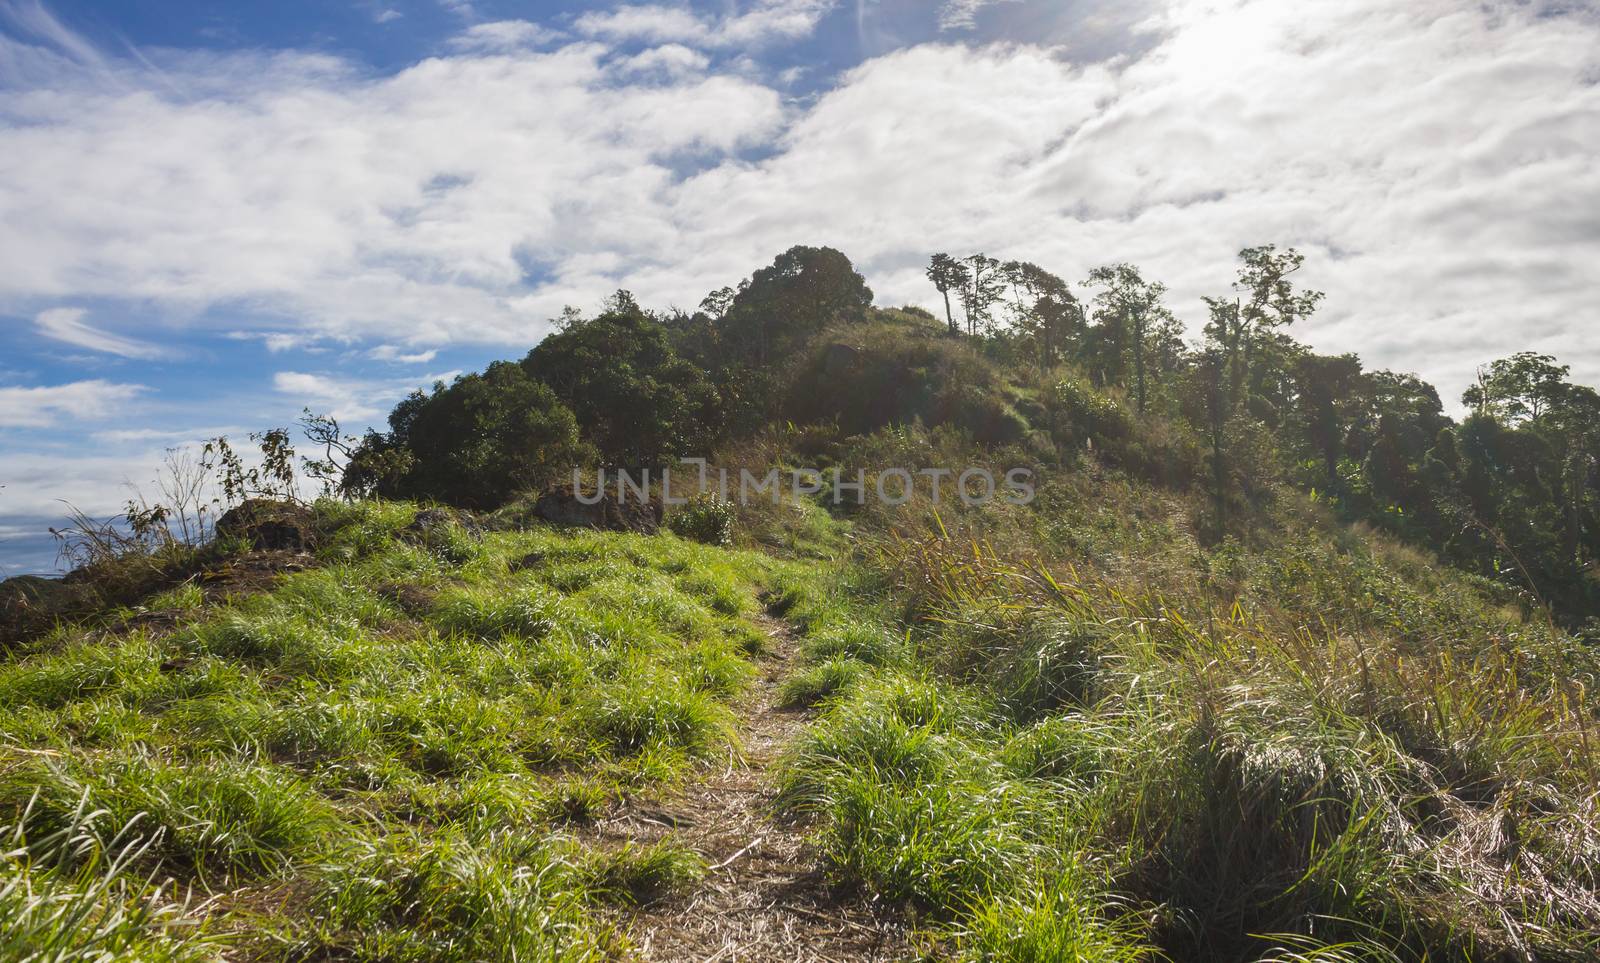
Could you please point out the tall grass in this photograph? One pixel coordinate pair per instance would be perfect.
(1228, 768)
(76, 893)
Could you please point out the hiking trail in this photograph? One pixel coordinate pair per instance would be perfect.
(764, 896)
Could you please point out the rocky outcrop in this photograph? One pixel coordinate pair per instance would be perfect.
(560, 506)
(840, 359)
(269, 526)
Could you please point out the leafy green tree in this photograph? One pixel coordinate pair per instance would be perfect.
(476, 443)
(1044, 310)
(1327, 399)
(1129, 310)
(984, 288)
(716, 304)
(948, 274)
(1519, 388)
(1575, 421)
(1265, 303)
(1399, 421)
(639, 403)
(785, 304)
(1213, 391)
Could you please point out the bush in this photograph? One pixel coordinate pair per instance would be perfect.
(1085, 413)
(875, 375)
(479, 441)
(707, 518)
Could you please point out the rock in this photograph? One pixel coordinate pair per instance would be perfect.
(30, 604)
(432, 521)
(413, 599)
(839, 359)
(530, 560)
(270, 526)
(560, 506)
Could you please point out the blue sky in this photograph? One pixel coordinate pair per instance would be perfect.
(215, 214)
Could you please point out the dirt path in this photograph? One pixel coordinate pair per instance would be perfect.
(763, 898)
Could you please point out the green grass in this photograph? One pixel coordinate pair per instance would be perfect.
(380, 758)
(1071, 732)
(634, 874)
(1069, 765)
(78, 892)
(1103, 741)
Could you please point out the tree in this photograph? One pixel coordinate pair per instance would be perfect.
(1267, 301)
(783, 305)
(329, 470)
(1400, 418)
(984, 288)
(476, 443)
(1043, 310)
(1327, 388)
(1211, 372)
(948, 274)
(716, 304)
(638, 401)
(1520, 388)
(1129, 309)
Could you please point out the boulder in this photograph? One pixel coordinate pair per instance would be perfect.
(560, 506)
(270, 526)
(839, 359)
(30, 604)
(431, 522)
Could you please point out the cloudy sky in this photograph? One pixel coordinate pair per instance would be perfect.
(213, 214)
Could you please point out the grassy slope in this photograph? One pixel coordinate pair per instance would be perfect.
(380, 759)
(1076, 733)
(1065, 733)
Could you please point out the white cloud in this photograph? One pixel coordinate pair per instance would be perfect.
(31, 18)
(38, 407)
(277, 342)
(67, 325)
(40, 485)
(671, 59)
(387, 15)
(502, 36)
(351, 400)
(177, 438)
(764, 22)
(345, 400)
(963, 14)
(1436, 163)
(436, 200)
(1435, 160)
(389, 352)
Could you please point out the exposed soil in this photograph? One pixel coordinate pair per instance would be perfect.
(765, 897)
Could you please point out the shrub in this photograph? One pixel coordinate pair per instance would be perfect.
(878, 374)
(707, 518)
(477, 442)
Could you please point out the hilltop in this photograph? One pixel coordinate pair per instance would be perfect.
(1278, 661)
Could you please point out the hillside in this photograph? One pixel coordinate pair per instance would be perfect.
(1288, 675)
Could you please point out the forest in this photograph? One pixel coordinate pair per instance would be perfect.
(1509, 492)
